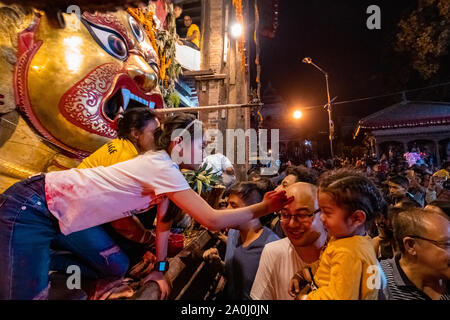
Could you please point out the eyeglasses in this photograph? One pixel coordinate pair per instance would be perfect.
(440, 244)
(285, 217)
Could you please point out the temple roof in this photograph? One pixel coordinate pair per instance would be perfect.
(408, 114)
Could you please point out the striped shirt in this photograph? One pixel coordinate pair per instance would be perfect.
(399, 287)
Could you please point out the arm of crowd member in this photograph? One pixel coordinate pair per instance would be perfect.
(193, 36)
(227, 166)
(189, 201)
(230, 171)
(212, 256)
(300, 283)
(345, 279)
(130, 229)
(162, 240)
(220, 235)
(376, 245)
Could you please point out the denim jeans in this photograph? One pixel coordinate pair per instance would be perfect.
(92, 250)
(27, 229)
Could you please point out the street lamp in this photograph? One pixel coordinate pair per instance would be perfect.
(298, 114)
(308, 60)
(236, 30)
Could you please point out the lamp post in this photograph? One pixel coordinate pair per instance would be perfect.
(308, 60)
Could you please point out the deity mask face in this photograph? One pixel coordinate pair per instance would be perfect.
(72, 82)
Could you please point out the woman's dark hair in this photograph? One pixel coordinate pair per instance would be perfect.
(137, 118)
(445, 165)
(303, 174)
(254, 175)
(249, 192)
(392, 212)
(354, 192)
(265, 184)
(328, 177)
(163, 134)
(443, 205)
(400, 180)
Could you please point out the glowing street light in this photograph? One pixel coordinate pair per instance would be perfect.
(308, 60)
(298, 114)
(236, 30)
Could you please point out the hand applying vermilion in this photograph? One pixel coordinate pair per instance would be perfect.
(275, 201)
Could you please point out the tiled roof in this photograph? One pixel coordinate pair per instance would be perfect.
(408, 114)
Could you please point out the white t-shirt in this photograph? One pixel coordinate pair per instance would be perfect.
(278, 264)
(218, 162)
(84, 198)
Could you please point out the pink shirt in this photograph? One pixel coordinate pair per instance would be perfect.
(84, 198)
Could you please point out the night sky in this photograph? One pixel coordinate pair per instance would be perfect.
(334, 34)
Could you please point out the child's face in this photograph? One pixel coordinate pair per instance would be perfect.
(335, 219)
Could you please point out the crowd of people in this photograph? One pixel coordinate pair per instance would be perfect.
(362, 229)
(336, 230)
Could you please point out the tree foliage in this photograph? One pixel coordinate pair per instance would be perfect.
(424, 36)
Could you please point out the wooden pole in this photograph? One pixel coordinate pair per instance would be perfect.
(206, 108)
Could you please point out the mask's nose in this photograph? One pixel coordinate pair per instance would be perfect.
(144, 76)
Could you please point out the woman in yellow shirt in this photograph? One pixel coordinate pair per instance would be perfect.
(134, 136)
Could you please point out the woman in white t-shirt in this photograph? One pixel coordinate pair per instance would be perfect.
(34, 211)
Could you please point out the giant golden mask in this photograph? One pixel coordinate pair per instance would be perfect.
(72, 82)
(61, 88)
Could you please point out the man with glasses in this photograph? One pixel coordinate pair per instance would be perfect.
(422, 269)
(305, 238)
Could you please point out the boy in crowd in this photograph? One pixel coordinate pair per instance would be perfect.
(244, 244)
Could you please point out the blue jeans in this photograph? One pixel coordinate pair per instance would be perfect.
(27, 229)
(92, 250)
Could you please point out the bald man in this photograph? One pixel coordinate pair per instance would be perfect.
(305, 238)
(421, 271)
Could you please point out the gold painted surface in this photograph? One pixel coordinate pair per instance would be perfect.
(23, 153)
(65, 58)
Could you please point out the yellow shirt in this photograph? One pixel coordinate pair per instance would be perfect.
(113, 152)
(191, 31)
(346, 270)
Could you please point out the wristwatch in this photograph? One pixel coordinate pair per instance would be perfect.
(161, 266)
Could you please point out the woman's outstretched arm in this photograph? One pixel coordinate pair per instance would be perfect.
(190, 202)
